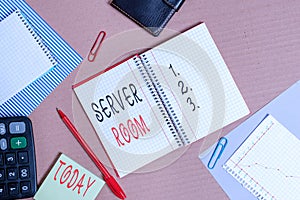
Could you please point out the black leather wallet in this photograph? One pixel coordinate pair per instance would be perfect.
(152, 15)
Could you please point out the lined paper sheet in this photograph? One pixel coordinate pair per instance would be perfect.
(23, 56)
(267, 163)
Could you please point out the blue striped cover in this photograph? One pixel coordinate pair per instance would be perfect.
(23, 103)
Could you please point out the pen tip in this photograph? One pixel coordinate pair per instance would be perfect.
(115, 187)
(57, 109)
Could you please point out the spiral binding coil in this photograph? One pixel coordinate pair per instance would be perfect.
(246, 185)
(162, 101)
(36, 38)
(157, 98)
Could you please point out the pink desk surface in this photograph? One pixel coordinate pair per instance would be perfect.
(259, 41)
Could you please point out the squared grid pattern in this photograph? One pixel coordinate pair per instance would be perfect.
(186, 47)
(267, 163)
(204, 78)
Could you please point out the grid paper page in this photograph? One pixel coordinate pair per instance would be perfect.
(197, 107)
(267, 163)
(23, 57)
(115, 107)
(199, 86)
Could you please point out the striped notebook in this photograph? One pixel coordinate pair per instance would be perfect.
(27, 99)
(23, 56)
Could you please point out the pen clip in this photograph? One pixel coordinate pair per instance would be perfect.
(217, 152)
(96, 46)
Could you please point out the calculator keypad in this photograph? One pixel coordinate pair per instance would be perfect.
(17, 159)
(3, 144)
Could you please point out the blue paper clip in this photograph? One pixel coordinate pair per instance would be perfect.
(217, 152)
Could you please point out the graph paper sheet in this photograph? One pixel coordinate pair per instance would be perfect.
(181, 87)
(199, 86)
(267, 163)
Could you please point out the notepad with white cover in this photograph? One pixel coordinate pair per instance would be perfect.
(161, 100)
(25, 101)
(24, 58)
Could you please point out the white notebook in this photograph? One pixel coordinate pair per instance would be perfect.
(164, 99)
(24, 58)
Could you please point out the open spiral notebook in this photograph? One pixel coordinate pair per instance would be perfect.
(163, 99)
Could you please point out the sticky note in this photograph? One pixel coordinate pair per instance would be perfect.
(68, 180)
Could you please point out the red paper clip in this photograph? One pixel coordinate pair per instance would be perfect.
(96, 46)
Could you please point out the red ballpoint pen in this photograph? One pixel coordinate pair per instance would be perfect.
(108, 178)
